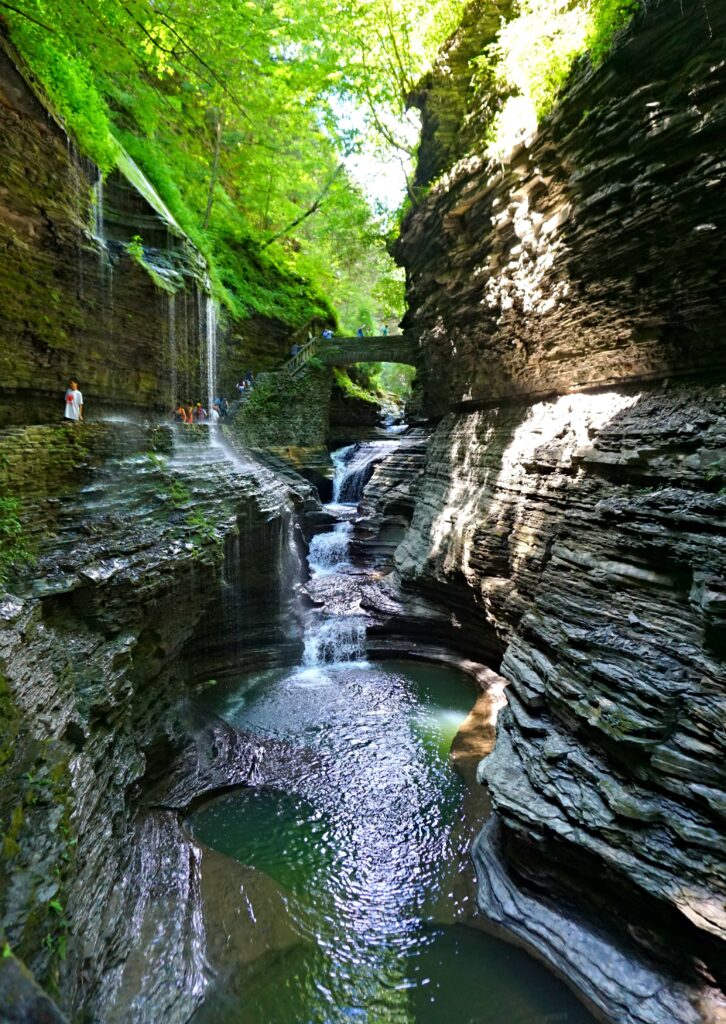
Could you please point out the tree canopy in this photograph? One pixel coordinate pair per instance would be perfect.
(233, 110)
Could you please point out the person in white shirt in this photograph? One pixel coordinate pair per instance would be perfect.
(74, 402)
(214, 415)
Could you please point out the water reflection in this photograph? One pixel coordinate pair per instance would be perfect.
(365, 835)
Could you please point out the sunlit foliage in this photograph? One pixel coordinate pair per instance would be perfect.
(534, 52)
(233, 110)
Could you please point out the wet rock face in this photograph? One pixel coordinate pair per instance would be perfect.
(592, 255)
(585, 537)
(578, 540)
(160, 563)
(77, 303)
(74, 301)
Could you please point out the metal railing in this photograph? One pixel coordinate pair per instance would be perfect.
(306, 353)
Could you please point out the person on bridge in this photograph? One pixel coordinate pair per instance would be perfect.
(327, 334)
(384, 331)
(361, 332)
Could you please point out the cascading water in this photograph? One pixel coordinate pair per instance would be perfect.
(211, 350)
(334, 639)
(354, 467)
(171, 345)
(336, 633)
(329, 551)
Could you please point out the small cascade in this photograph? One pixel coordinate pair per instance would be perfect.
(97, 213)
(329, 551)
(354, 467)
(339, 459)
(171, 347)
(332, 639)
(207, 333)
(211, 350)
(336, 633)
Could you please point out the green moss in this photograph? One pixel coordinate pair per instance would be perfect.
(285, 410)
(15, 549)
(38, 842)
(530, 62)
(607, 18)
(353, 390)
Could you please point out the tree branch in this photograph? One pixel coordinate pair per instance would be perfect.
(16, 10)
(310, 211)
(233, 99)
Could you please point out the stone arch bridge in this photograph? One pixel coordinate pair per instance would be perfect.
(394, 348)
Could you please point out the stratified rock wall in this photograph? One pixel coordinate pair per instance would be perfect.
(588, 532)
(74, 302)
(161, 563)
(592, 255)
(569, 307)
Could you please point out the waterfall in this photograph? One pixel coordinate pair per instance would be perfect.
(97, 213)
(330, 639)
(354, 467)
(329, 551)
(211, 350)
(171, 335)
(339, 635)
(339, 459)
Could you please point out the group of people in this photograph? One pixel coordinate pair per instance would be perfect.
(327, 334)
(198, 414)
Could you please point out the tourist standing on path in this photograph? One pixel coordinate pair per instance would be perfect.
(74, 403)
(214, 415)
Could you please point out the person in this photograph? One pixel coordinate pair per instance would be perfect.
(327, 333)
(200, 413)
(74, 403)
(360, 332)
(241, 385)
(179, 414)
(384, 331)
(249, 379)
(294, 350)
(189, 414)
(214, 414)
(223, 406)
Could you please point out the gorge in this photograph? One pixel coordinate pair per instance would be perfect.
(268, 686)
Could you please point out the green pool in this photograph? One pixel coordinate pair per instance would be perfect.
(364, 837)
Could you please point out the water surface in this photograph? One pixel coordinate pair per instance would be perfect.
(366, 836)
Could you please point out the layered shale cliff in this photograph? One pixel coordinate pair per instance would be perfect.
(569, 309)
(138, 561)
(99, 282)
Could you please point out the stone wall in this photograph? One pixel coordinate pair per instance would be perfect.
(569, 311)
(592, 254)
(75, 303)
(138, 537)
(586, 532)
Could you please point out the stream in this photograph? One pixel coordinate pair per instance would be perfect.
(359, 848)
